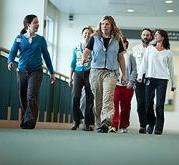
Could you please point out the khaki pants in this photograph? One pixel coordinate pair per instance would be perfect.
(103, 83)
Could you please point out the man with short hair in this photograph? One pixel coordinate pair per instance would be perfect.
(138, 52)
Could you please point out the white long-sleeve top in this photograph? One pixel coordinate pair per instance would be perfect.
(157, 64)
(138, 52)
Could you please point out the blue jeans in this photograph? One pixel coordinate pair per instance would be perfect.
(160, 86)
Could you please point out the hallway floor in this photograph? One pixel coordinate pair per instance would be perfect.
(66, 147)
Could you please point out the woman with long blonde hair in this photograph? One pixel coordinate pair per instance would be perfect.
(107, 46)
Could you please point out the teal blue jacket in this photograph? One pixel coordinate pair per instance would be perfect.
(30, 54)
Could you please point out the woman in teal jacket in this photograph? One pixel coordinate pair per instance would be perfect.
(31, 47)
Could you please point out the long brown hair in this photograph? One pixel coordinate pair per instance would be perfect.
(164, 34)
(27, 20)
(115, 31)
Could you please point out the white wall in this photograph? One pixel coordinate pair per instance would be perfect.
(12, 15)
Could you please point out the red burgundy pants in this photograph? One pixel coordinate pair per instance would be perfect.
(122, 106)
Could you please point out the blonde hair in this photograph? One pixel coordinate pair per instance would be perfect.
(115, 31)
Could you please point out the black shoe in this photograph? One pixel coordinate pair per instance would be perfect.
(31, 124)
(142, 130)
(98, 129)
(76, 125)
(104, 128)
(157, 132)
(150, 129)
(22, 124)
(28, 124)
(74, 128)
(88, 128)
(91, 128)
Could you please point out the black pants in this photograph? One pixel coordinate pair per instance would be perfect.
(141, 109)
(160, 86)
(82, 79)
(29, 85)
(83, 107)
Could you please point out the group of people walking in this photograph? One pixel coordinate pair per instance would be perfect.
(105, 70)
(115, 74)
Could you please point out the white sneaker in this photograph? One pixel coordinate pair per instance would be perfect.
(124, 130)
(112, 130)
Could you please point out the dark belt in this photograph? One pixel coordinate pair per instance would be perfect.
(30, 71)
(102, 69)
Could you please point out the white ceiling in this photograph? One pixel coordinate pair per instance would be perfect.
(154, 8)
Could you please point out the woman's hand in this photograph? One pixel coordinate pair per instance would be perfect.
(129, 85)
(173, 89)
(139, 80)
(123, 78)
(70, 82)
(86, 54)
(11, 65)
(53, 78)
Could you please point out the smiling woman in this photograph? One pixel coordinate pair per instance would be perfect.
(31, 47)
(158, 67)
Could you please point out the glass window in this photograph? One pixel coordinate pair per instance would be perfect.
(50, 35)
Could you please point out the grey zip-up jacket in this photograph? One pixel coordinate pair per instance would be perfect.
(131, 69)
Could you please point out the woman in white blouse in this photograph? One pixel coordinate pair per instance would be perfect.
(157, 65)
